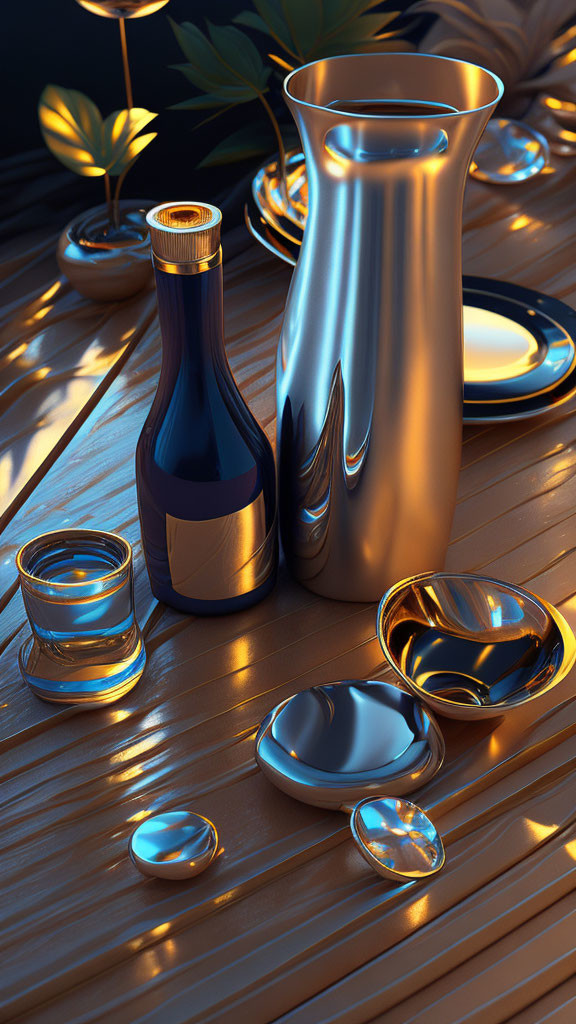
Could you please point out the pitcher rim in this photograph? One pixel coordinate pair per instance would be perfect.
(393, 117)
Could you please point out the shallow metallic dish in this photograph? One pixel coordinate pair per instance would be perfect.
(509, 152)
(341, 746)
(397, 839)
(471, 646)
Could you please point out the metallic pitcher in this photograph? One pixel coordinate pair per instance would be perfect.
(370, 359)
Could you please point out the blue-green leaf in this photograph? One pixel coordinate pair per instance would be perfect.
(206, 101)
(273, 17)
(236, 92)
(241, 145)
(226, 66)
(308, 29)
(305, 20)
(199, 52)
(237, 51)
(251, 20)
(359, 32)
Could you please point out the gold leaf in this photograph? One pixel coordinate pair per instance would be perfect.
(119, 132)
(136, 147)
(74, 131)
(71, 126)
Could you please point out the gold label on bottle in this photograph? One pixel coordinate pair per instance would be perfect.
(216, 559)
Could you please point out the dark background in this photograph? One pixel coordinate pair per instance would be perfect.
(58, 41)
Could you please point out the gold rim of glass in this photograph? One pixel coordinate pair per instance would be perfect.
(79, 532)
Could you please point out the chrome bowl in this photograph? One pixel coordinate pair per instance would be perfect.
(471, 646)
(338, 743)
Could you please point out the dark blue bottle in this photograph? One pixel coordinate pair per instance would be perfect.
(204, 468)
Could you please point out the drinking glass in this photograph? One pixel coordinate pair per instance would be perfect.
(78, 590)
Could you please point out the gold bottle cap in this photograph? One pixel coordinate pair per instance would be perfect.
(184, 233)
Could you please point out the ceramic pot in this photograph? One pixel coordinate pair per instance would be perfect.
(104, 263)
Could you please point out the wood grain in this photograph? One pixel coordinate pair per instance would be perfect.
(289, 923)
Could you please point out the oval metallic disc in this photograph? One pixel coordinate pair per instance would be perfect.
(397, 838)
(509, 152)
(176, 844)
(472, 646)
(333, 745)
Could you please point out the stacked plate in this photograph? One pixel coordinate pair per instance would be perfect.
(519, 347)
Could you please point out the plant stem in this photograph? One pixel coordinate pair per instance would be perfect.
(274, 122)
(280, 142)
(109, 204)
(125, 65)
(119, 184)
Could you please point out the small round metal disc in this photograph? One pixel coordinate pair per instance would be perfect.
(509, 152)
(176, 844)
(333, 745)
(397, 839)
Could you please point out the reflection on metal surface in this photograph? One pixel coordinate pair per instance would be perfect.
(174, 845)
(509, 152)
(103, 263)
(530, 337)
(346, 741)
(334, 745)
(397, 839)
(522, 354)
(86, 647)
(367, 489)
(285, 210)
(473, 647)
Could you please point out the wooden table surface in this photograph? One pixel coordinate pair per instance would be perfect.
(289, 923)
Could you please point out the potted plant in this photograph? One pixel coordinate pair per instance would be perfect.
(104, 252)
